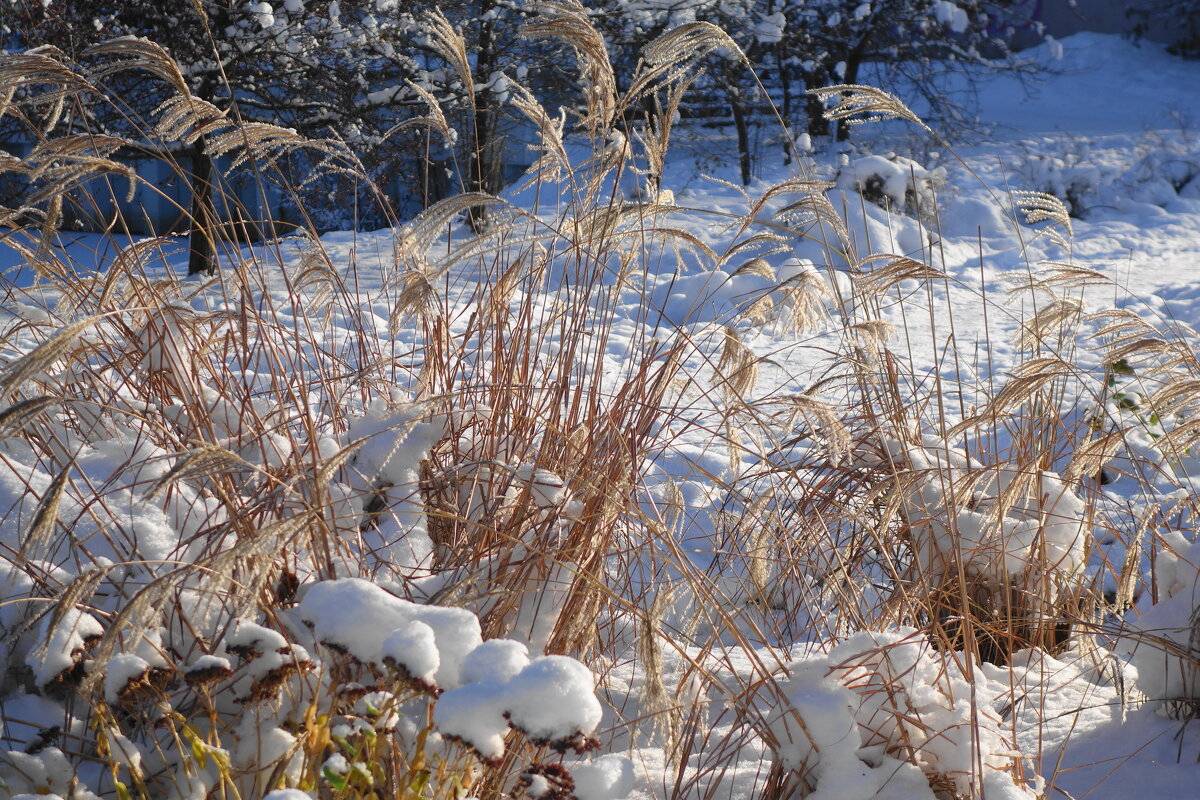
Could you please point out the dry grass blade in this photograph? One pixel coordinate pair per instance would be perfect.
(1118, 320)
(418, 296)
(449, 42)
(200, 463)
(1127, 581)
(873, 334)
(1134, 349)
(84, 146)
(64, 163)
(824, 421)
(568, 22)
(435, 119)
(18, 415)
(737, 368)
(814, 207)
(553, 161)
(60, 179)
(254, 554)
(1131, 573)
(41, 527)
(1049, 321)
(681, 237)
(671, 57)
(805, 299)
(854, 99)
(658, 705)
(73, 594)
(1042, 207)
(1175, 395)
(899, 268)
(760, 312)
(130, 623)
(1027, 380)
(67, 162)
(1061, 276)
(1092, 456)
(766, 243)
(656, 137)
(690, 42)
(1023, 484)
(41, 357)
(44, 66)
(185, 119)
(1180, 439)
(414, 239)
(130, 52)
(325, 472)
(758, 267)
(256, 139)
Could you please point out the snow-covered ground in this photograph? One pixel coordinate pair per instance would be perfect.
(1114, 130)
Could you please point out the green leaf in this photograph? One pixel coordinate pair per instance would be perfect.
(349, 748)
(419, 782)
(199, 753)
(338, 782)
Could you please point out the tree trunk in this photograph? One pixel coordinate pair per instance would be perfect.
(202, 254)
(817, 124)
(488, 150)
(853, 61)
(852, 64)
(785, 87)
(742, 124)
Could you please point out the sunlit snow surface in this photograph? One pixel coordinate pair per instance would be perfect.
(1104, 127)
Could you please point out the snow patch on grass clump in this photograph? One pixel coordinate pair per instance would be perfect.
(487, 686)
(413, 648)
(64, 644)
(495, 659)
(894, 182)
(552, 700)
(121, 671)
(1161, 640)
(44, 775)
(1016, 523)
(609, 777)
(357, 616)
(882, 715)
